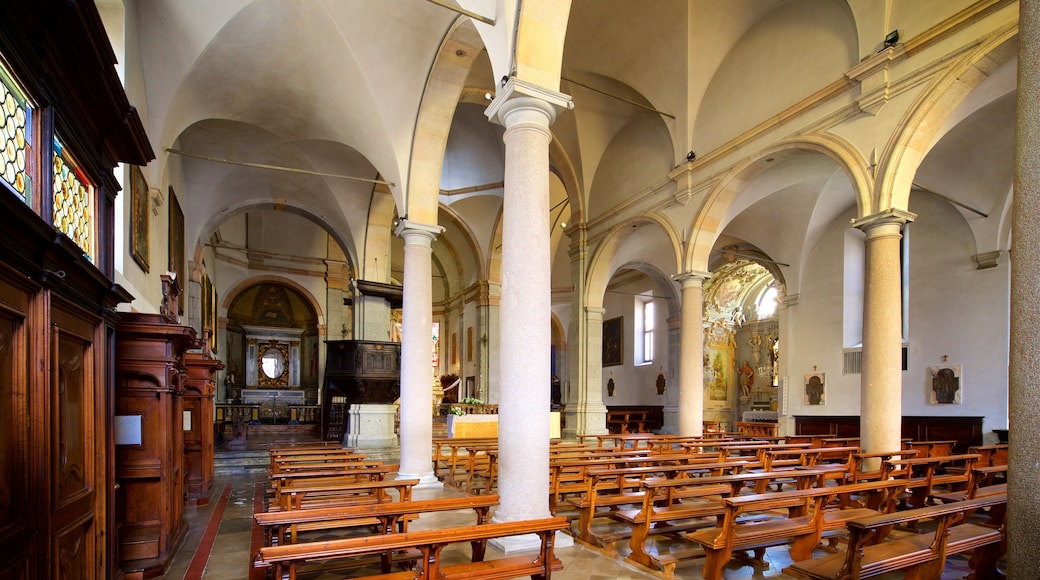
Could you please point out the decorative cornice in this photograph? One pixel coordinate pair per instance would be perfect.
(887, 217)
(986, 260)
(691, 276)
(516, 92)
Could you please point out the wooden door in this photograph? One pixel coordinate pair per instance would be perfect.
(75, 412)
(19, 547)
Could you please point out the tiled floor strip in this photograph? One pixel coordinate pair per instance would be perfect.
(258, 534)
(198, 562)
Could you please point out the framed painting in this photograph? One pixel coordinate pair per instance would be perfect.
(945, 385)
(815, 389)
(613, 341)
(138, 217)
(176, 237)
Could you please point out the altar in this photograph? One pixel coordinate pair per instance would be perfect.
(290, 396)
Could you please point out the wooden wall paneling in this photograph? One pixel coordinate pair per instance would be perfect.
(199, 389)
(20, 546)
(967, 431)
(149, 382)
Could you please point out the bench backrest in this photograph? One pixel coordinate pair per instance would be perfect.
(369, 545)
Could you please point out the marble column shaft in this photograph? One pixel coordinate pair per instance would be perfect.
(1024, 384)
(881, 384)
(691, 365)
(525, 311)
(416, 431)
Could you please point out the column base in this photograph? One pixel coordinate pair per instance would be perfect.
(426, 480)
(529, 543)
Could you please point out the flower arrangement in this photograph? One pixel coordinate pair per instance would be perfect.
(472, 401)
(457, 411)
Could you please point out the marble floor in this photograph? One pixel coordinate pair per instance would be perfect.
(230, 553)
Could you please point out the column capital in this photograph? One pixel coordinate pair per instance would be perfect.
(889, 217)
(516, 95)
(417, 232)
(595, 311)
(691, 277)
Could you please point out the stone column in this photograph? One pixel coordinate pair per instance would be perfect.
(1023, 389)
(788, 351)
(416, 431)
(671, 395)
(881, 384)
(583, 393)
(691, 361)
(526, 111)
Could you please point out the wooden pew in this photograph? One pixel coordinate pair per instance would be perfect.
(812, 514)
(319, 477)
(926, 475)
(360, 492)
(283, 527)
(921, 555)
(981, 483)
(617, 487)
(626, 421)
(662, 513)
(870, 466)
(428, 546)
(932, 448)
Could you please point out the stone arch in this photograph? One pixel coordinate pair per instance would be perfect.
(280, 205)
(921, 124)
(470, 240)
(600, 270)
(444, 85)
(242, 285)
(710, 220)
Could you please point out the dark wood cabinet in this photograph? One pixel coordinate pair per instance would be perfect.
(150, 374)
(199, 389)
(357, 371)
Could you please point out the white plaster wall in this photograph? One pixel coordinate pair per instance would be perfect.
(636, 385)
(954, 310)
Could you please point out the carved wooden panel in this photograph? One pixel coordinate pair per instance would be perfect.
(15, 536)
(73, 551)
(76, 403)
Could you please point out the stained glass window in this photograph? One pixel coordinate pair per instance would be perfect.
(73, 200)
(15, 135)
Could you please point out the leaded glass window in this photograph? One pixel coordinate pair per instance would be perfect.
(73, 200)
(15, 136)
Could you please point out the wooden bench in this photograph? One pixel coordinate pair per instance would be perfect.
(617, 487)
(283, 527)
(920, 555)
(981, 483)
(321, 477)
(626, 421)
(428, 546)
(812, 514)
(667, 509)
(352, 493)
(870, 466)
(926, 475)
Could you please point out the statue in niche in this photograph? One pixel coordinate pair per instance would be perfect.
(660, 383)
(945, 385)
(610, 387)
(747, 379)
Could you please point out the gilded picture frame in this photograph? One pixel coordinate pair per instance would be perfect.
(176, 239)
(139, 218)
